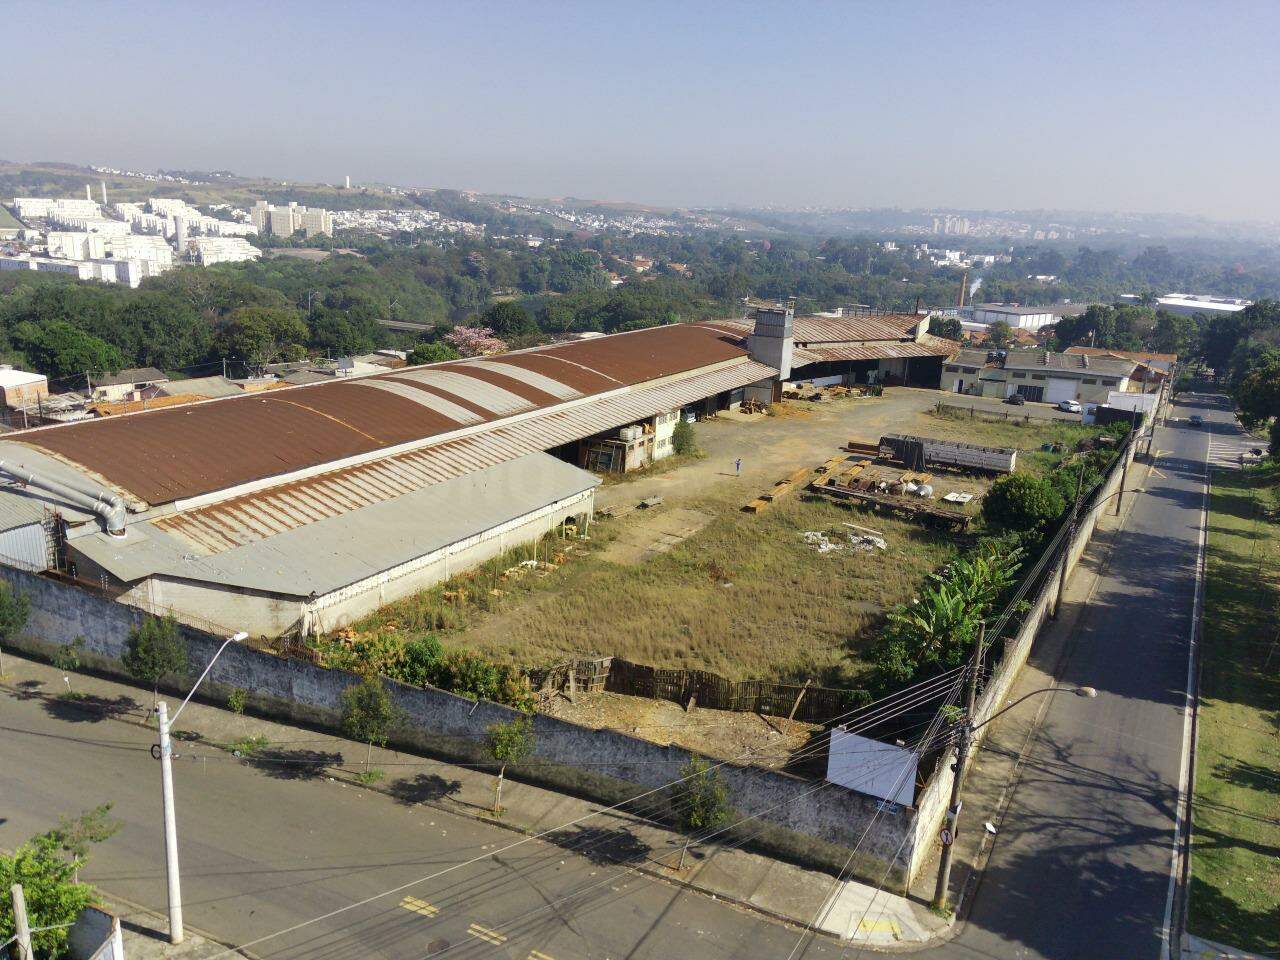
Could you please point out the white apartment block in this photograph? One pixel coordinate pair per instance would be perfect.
(211, 250)
(99, 225)
(41, 208)
(76, 246)
(149, 249)
(285, 221)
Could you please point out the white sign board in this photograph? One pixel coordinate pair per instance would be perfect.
(869, 766)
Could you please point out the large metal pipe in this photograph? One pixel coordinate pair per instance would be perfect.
(108, 506)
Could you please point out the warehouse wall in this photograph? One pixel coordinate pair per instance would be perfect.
(604, 765)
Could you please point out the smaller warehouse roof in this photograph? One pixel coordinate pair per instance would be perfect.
(208, 387)
(132, 375)
(1138, 356)
(1012, 308)
(10, 377)
(1068, 363)
(971, 358)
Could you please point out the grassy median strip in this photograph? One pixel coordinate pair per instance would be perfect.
(1235, 865)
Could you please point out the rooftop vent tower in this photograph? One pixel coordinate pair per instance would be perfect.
(771, 342)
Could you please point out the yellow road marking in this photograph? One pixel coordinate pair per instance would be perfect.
(419, 906)
(879, 926)
(487, 935)
(539, 955)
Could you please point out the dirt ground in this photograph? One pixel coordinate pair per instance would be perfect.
(720, 733)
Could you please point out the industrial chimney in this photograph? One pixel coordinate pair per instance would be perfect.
(88, 191)
(771, 343)
(103, 185)
(348, 181)
(180, 234)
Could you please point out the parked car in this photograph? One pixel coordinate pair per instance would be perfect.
(1069, 406)
(1016, 399)
(1196, 420)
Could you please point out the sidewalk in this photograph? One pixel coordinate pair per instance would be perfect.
(995, 768)
(779, 890)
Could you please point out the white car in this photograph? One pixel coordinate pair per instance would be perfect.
(1069, 406)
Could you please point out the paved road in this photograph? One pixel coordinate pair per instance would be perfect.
(1082, 864)
(261, 853)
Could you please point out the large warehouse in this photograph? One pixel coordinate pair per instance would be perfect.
(307, 507)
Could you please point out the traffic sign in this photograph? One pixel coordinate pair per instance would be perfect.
(946, 837)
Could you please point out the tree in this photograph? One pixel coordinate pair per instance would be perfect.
(54, 898)
(60, 349)
(368, 714)
(67, 657)
(1258, 392)
(431, 352)
(474, 341)
(509, 320)
(948, 327)
(262, 335)
(15, 608)
(74, 836)
(682, 439)
(510, 742)
(999, 334)
(700, 801)
(1022, 502)
(153, 650)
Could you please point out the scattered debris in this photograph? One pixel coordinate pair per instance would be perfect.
(955, 497)
(648, 502)
(833, 543)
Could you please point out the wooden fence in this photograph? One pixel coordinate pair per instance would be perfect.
(811, 704)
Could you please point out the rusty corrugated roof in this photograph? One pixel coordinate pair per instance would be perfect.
(160, 456)
(244, 520)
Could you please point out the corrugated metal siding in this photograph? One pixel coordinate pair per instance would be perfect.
(25, 547)
(244, 520)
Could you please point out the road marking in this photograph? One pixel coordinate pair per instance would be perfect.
(539, 955)
(880, 926)
(419, 906)
(487, 935)
(1188, 715)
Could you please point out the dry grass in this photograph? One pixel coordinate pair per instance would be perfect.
(1026, 435)
(788, 611)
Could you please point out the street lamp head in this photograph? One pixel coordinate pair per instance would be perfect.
(1087, 692)
(237, 637)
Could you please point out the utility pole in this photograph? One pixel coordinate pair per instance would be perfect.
(22, 929)
(962, 760)
(170, 826)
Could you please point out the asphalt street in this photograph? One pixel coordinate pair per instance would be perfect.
(262, 853)
(1081, 867)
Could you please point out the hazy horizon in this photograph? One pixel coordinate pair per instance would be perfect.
(1153, 108)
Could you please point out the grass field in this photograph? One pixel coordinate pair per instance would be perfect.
(788, 612)
(1028, 436)
(1235, 864)
(7, 220)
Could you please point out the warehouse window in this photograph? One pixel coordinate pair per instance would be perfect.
(1110, 383)
(1019, 376)
(1093, 380)
(953, 369)
(1037, 376)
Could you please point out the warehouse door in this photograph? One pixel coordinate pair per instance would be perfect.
(1060, 389)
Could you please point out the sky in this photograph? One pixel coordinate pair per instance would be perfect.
(1155, 107)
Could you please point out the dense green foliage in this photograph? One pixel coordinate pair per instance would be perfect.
(699, 798)
(15, 609)
(1022, 502)
(368, 715)
(48, 866)
(938, 628)
(682, 438)
(154, 649)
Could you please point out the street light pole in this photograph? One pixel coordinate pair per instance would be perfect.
(962, 758)
(166, 785)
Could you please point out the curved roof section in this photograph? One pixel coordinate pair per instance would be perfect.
(159, 456)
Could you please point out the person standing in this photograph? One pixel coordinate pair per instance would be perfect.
(737, 467)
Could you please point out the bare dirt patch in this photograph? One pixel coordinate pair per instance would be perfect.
(654, 532)
(720, 733)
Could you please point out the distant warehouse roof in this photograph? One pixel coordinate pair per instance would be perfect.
(162, 456)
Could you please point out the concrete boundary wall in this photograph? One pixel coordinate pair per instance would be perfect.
(933, 799)
(812, 823)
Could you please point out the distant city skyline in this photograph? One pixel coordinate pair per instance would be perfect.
(1154, 107)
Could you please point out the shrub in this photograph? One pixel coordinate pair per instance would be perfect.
(236, 700)
(1274, 435)
(67, 656)
(468, 674)
(419, 660)
(1022, 502)
(682, 440)
(700, 801)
